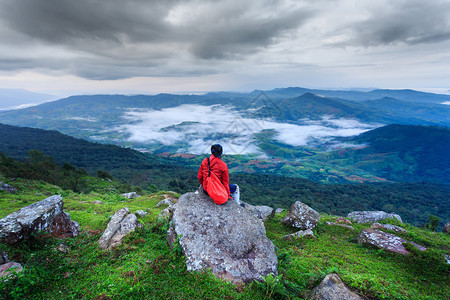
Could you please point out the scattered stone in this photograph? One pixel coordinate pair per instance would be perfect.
(227, 239)
(97, 202)
(165, 202)
(46, 215)
(141, 213)
(3, 258)
(279, 211)
(388, 227)
(372, 216)
(332, 288)
(447, 258)
(10, 269)
(340, 225)
(386, 241)
(261, 211)
(131, 195)
(166, 214)
(63, 248)
(342, 220)
(121, 224)
(299, 234)
(7, 187)
(446, 228)
(301, 216)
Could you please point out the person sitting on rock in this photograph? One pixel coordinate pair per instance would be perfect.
(220, 169)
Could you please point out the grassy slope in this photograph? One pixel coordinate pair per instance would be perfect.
(144, 267)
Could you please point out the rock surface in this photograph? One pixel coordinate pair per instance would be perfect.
(342, 220)
(166, 214)
(3, 258)
(301, 216)
(7, 187)
(299, 234)
(121, 224)
(168, 202)
(131, 195)
(10, 269)
(340, 225)
(386, 241)
(372, 216)
(279, 211)
(261, 211)
(446, 228)
(227, 239)
(388, 227)
(332, 288)
(46, 215)
(447, 258)
(141, 213)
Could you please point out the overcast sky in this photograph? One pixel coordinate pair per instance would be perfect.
(65, 47)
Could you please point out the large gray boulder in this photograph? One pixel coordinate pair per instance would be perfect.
(301, 216)
(332, 288)
(46, 215)
(120, 225)
(372, 216)
(386, 241)
(226, 239)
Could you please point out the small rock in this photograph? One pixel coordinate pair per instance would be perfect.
(119, 226)
(97, 202)
(447, 258)
(388, 227)
(3, 258)
(131, 195)
(166, 214)
(299, 234)
(372, 216)
(340, 225)
(10, 269)
(279, 211)
(342, 220)
(301, 216)
(386, 241)
(165, 202)
(446, 228)
(63, 248)
(141, 213)
(332, 288)
(7, 187)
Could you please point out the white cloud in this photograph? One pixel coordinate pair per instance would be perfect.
(194, 128)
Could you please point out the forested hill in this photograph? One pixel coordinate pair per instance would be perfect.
(124, 163)
(423, 150)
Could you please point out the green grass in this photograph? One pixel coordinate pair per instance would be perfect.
(144, 267)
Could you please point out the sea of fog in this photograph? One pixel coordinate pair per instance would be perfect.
(196, 127)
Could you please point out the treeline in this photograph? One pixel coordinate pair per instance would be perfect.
(39, 166)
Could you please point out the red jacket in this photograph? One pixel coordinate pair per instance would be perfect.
(219, 168)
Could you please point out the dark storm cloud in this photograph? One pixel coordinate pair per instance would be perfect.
(411, 22)
(119, 39)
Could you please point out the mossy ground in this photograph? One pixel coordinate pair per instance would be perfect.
(145, 268)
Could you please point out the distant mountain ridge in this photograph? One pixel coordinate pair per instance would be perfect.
(10, 98)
